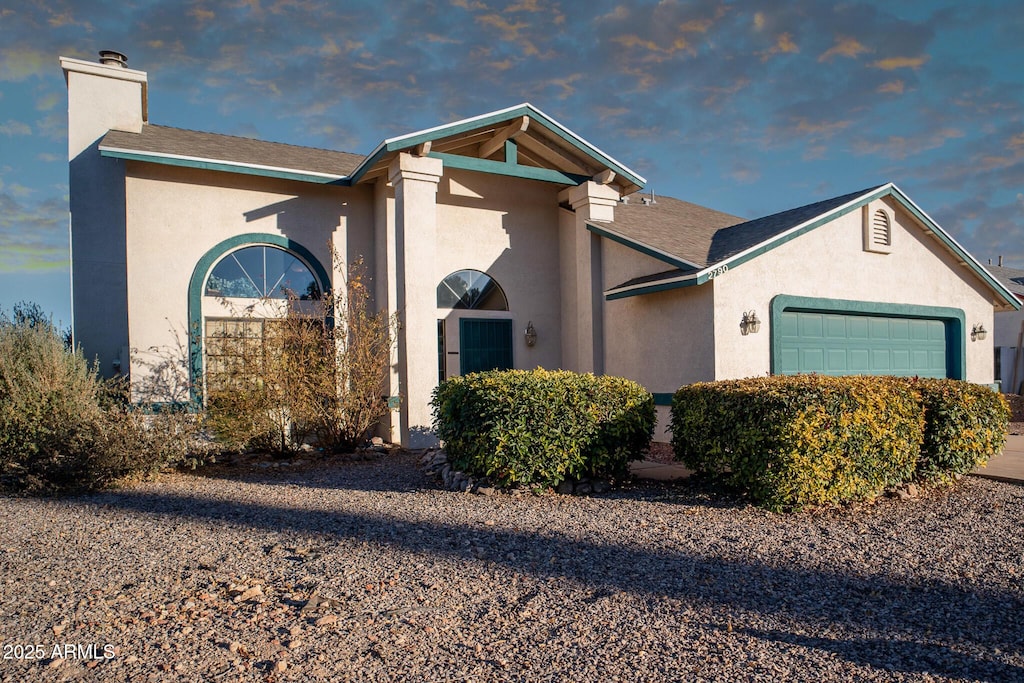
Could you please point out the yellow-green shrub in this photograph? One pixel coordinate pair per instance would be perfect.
(965, 425)
(804, 440)
(541, 427)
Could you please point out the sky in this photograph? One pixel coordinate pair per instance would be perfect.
(746, 107)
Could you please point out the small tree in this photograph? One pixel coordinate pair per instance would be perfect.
(318, 368)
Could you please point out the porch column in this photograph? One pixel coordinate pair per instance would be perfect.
(415, 181)
(583, 285)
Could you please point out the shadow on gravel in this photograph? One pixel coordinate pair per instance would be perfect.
(928, 624)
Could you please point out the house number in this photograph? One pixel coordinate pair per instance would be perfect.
(720, 270)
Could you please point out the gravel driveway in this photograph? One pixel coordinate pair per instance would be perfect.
(366, 570)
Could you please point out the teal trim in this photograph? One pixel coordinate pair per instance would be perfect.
(511, 152)
(954, 319)
(662, 399)
(198, 282)
(536, 116)
(780, 240)
(976, 267)
(651, 289)
(505, 168)
(225, 167)
(641, 247)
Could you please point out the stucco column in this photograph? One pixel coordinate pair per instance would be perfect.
(415, 181)
(582, 285)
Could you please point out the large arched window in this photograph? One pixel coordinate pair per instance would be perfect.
(261, 272)
(472, 290)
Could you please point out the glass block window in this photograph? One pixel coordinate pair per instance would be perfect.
(262, 272)
(471, 289)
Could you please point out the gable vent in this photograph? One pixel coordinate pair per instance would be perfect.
(877, 230)
(881, 231)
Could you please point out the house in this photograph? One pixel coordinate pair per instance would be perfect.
(1008, 332)
(502, 240)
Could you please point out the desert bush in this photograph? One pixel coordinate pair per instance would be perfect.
(540, 427)
(61, 427)
(965, 424)
(804, 440)
(318, 370)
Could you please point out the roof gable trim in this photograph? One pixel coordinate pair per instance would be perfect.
(223, 165)
(409, 140)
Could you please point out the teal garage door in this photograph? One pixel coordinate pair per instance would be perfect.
(845, 344)
(484, 345)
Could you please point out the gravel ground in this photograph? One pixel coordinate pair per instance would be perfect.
(366, 570)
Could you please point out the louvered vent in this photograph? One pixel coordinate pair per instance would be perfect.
(881, 231)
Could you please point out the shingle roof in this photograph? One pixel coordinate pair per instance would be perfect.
(1011, 278)
(679, 228)
(703, 236)
(179, 142)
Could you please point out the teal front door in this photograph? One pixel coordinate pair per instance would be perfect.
(484, 345)
(847, 344)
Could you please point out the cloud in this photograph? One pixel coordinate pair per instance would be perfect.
(844, 47)
(893, 63)
(895, 87)
(18, 62)
(34, 233)
(12, 128)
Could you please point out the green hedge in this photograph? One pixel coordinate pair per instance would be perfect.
(805, 440)
(965, 425)
(812, 440)
(541, 427)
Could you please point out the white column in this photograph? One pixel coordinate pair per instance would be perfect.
(582, 284)
(415, 181)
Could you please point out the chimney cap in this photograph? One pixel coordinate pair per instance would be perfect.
(113, 58)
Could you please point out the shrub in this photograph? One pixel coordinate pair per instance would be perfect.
(540, 427)
(805, 440)
(964, 425)
(320, 369)
(61, 427)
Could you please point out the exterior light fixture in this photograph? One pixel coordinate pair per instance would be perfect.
(531, 334)
(978, 332)
(750, 324)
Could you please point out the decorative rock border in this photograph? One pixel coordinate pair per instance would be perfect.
(434, 463)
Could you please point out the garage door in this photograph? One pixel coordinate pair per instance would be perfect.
(845, 344)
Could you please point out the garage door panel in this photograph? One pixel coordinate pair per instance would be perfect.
(842, 344)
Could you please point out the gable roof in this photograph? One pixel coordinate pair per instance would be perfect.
(538, 147)
(519, 141)
(214, 151)
(730, 246)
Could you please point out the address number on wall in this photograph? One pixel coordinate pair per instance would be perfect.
(717, 272)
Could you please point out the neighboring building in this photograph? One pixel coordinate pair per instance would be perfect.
(478, 230)
(1008, 333)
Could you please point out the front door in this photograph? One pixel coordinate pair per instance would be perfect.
(484, 344)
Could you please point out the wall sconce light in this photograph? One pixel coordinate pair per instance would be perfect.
(750, 324)
(978, 332)
(531, 334)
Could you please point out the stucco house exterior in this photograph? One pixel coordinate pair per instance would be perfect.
(1008, 332)
(502, 240)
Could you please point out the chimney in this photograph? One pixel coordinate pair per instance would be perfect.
(1000, 260)
(103, 96)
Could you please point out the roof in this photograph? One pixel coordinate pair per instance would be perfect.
(162, 144)
(710, 251)
(519, 141)
(1012, 278)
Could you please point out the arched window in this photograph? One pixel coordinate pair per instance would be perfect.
(472, 290)
(262, 272)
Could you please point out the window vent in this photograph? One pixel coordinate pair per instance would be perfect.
(877, 231)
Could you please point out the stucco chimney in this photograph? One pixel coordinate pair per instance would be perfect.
(103, 96)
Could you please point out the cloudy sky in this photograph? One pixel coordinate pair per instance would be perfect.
(746, 107)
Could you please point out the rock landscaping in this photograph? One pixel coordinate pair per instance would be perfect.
(340, 569)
